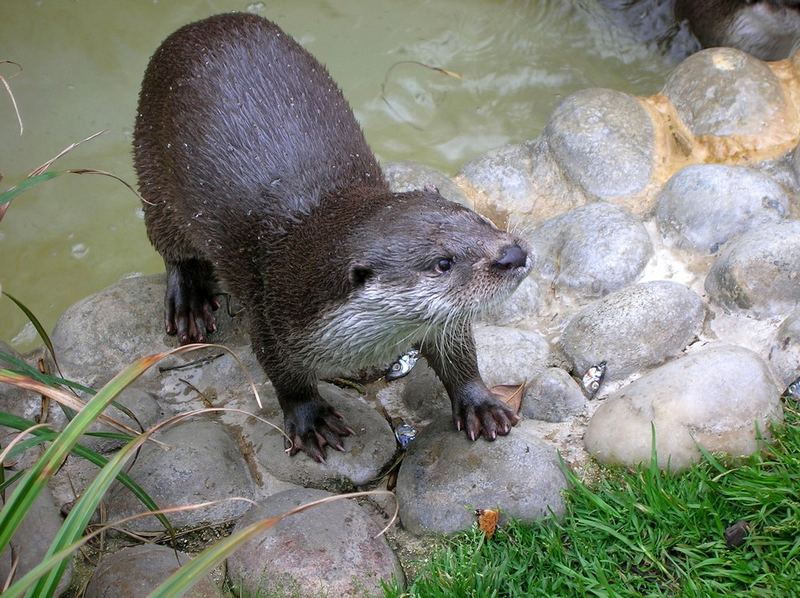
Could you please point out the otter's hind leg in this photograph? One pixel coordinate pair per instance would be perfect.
(475, 410)
(190, 300)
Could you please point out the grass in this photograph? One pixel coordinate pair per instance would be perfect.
(644, 533)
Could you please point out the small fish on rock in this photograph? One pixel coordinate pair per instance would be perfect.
(792, 391)
(402, 366)
(593, 378)
(405, 434)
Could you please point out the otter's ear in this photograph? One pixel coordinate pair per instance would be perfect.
(359, 274)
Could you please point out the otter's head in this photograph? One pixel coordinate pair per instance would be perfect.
(435, 258)
(416, 265)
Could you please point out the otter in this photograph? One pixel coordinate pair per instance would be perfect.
(256, 176)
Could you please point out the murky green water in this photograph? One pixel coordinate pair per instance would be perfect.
(83, 61)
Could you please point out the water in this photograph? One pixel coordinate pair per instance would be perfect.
(83, 61)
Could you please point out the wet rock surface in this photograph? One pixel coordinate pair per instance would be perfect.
(201, 462)
(137, 570)
(784, 354)
(759, 271)
(635, 328)
(604, 141)
(721, 398)
(328, 550)
(703, 206)
(445, 477)
(723, 91)
(591, 250)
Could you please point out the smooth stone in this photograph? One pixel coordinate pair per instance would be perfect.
(509, 355)
(522, 305)
(202, 464)
(517, 185)
(33, 537)
(143, 405)
(705, 205)
(553, 396)
(784, 353)
(328, 550)
(759, 271)
(365, 455)
(445, 477)
(634, 328)
(101, 335)
(723, 91)
(424, 394)
(604, 140)
(135, 571)
(411, 176)
(719, 398)
(592, 250)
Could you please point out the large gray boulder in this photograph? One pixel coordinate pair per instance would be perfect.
(784, 352)
(604, 140)
(637, 327)
(445, 476)
(723, 91)
(705, 205)
(759, 271)
(328, 550)
(722, 398)
(590, 251)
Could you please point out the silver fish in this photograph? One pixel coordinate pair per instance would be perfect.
(793, 390)
(593, 378)
(405, 434)
(402, 366)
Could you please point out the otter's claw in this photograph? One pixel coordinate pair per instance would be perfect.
(485, 417)
(313, 428)
(189, 303)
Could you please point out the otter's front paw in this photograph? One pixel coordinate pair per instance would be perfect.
(311, 426)
(483, 415)
(189, 303)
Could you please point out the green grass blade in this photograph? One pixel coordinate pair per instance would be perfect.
(32, 483)
(18, 423)
(9, 194)
(21, 367)
(81, 513)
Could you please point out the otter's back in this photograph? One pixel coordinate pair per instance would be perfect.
(234, 113)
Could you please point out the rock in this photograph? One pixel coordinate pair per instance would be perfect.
(591, 250)
(523, 304)
(19, 403)
(553, 396)
(634, 328)
(444, 477)
(720, 398)
(424, 394)
(33, 537)
(723, 91)
(328, 550)
(410, 176)
(366, 452)
(201, 464)
(517, 185)
(759, 271)
(784, 354)
(604, 140)
(143, 405)
(102, 334)
(510, 355)
(137, 570)
(704, 205)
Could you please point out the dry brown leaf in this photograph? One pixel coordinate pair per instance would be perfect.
(487, 521)
(510, 394)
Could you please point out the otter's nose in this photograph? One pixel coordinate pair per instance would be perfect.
(513, 257)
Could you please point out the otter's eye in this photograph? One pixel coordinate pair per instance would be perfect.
(444, 264)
